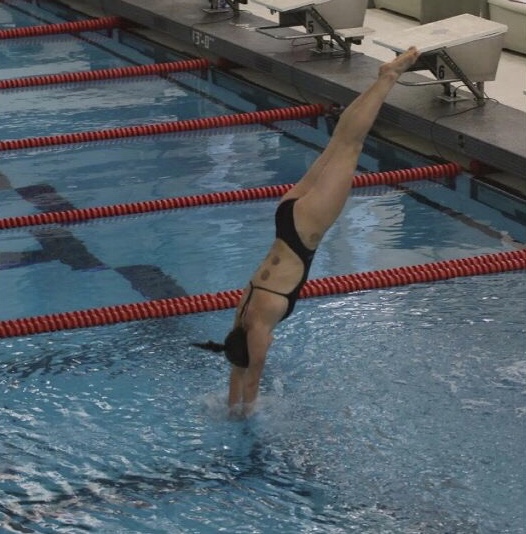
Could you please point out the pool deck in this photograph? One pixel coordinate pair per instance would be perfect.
(493, 134)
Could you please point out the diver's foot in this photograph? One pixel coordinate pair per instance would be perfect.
(400, 64)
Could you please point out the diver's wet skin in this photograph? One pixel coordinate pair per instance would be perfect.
(303, 216)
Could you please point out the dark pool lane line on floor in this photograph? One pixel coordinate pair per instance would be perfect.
(459, 216)
(44, 198)
(151, 282)
(59, 244)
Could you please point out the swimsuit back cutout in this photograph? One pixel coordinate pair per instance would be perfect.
(249, 296)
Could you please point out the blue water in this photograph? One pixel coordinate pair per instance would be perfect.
(51, 54)
(395, 411)
(401, 415)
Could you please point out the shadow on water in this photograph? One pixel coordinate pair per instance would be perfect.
(257, 474)
(32, 499)
(118, 348)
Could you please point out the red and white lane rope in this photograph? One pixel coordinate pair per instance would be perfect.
(239, 195)
(102, 23)
(424, 273)
(106, 74)
(266, 116)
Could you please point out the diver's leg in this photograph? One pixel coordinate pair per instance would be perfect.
(324, 189)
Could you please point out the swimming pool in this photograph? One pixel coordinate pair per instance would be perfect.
(398, 410)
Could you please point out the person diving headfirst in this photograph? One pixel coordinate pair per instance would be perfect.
(302, 217)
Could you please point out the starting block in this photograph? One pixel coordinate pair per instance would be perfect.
(224, 6)
(464, 48)
(339, 20)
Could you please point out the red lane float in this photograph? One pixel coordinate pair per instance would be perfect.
(429, 272)
(424, 273)
(267, 116)
(240, 195)
(106, 74)
(102, 23)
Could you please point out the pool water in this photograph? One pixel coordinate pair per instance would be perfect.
(401, 415)
(392, 411)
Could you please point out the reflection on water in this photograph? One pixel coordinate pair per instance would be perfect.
(393, 411)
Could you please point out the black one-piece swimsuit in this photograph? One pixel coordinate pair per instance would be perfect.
(286, 231)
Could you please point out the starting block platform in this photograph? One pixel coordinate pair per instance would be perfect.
(340, 20)
(444, 33)
(280, 6)
(464, 48)
(216, 7)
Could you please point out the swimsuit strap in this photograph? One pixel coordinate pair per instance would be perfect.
(286, 295)
(247, 300)
(251, 291)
